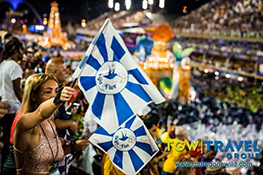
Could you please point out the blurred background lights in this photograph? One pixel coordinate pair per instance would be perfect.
(150, 2)
(185, 9)
(117, 7)
(40, 27)
(83, 23)
(144, 4)
(128, 4)
(13, 20)
(228, 75)
(240, 78)
(45, 21)
(162, 4)
(110, 4)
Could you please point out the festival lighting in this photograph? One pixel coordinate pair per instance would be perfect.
(162, 4)
(184, 9)
(117, 7)
(39, 27)
(24, 28)
(45, 21)
(228, 75)
(13, 20)
(128, 4)
(240, 78)
(144, 4)
(83, 23)
(110, 4)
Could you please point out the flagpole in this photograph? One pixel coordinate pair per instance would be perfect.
(90, 49)
(74, 82)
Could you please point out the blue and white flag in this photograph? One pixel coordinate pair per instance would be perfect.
(130, 147)
(112, 82)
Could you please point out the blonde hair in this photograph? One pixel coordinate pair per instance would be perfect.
(32, 86)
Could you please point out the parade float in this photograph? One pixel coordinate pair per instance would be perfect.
(160, 62)
(168, 70)
(54, 37)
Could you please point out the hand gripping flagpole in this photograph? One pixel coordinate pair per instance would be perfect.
(82, 64)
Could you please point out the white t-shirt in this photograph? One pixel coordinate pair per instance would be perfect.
(9, 71)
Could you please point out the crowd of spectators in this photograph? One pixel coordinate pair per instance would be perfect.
(236, 18)
(236, 56)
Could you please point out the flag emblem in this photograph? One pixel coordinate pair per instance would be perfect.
(111, 78)
(124, 139)
(129, 148)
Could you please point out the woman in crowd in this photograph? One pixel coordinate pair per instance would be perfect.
(10, 91)
(35, 140)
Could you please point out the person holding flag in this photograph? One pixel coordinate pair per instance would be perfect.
(36, 143)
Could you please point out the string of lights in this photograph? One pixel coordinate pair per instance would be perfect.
(128, 4)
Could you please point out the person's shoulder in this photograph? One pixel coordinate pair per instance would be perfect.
(10, 63)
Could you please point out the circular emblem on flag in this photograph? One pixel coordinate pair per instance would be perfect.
(124, 139)
(111, 78)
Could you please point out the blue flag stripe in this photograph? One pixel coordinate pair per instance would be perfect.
(139, 91)
(106, 145)
(101, 44)
(87, 82)
(102, 131)
(115, 58)
(130, 122)
(136, 73)
(117, 48)
(118, 158)
(145, 147)
(140, 132)
(93, 62)
(122, 108)
(98, 104)
(136, 160)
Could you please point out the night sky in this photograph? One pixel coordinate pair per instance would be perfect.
(75, 10)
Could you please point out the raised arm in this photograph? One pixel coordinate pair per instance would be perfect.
(44, 111)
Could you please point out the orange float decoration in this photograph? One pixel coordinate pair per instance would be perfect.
(163, 33)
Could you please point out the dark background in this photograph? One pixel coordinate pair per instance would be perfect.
(75, 10)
